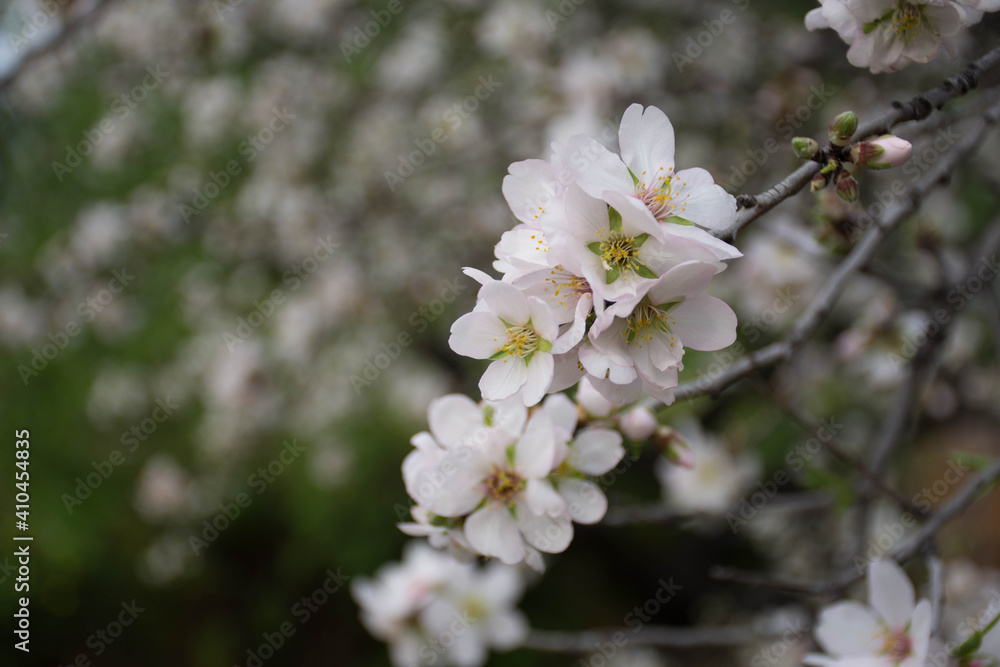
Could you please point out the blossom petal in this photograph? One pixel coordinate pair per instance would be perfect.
(890, 593)
(702, 201)
(586, 502)
(503, 378)
(453, 417)
(478, 334)
(540, 370)
(596, 168)
(595, 451)
(646, 138)
(535, 451)
(546, 533)
(492, 532)
(506, 301)
(704, 323)
(541, 498)
(848, 630)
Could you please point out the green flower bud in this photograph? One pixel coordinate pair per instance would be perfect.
(847, 188)
(805, 147)
(843, 128)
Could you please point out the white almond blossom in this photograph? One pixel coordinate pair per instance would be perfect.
(501, 489)
(887, 35)
(891, 630)
(640, 342)
(517, 333)
(432, 610)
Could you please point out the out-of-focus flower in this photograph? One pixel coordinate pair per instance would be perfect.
(891, 630)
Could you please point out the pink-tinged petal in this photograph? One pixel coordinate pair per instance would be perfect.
(618, 393)
(839, 17)
(567, 371)
(890, 593)
(503, 378)
(541, 498)
(587, 217)
(596, 168)
(492, 531)
(535, 451)
(815, 20)
(605, 365)
(595, 451)
(574, 334)
(681, 282)
(453, 417)
(848, 630)
(454, 487)
(546, 533)
(945, 19)
(541, 319)
(662, 385)
(704, 323)
(478, 334)
(646, 139)
(586, 502)
(920, 628)
(636, 218)
(540, 371)
(531, 191)
(703, 202)
(563, 413)
(480, 277)
(866, 11)
(719, 248)
(506, 301)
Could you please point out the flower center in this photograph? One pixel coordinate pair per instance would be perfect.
(897, 645)
(906, 21)
(618, 251)
(503, 485)
(645, 321)
(521, 341)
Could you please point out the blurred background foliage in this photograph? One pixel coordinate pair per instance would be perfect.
(361, 109)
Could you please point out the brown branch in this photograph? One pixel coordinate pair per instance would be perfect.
(917, 108)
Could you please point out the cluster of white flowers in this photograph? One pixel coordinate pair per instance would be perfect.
(490, 480)
(432, 610)
(605, 275)
(887, 35)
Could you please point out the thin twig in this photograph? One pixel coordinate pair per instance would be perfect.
(951, 509)
(918, 108)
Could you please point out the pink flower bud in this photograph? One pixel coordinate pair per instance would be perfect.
(882, 153)
(638, 423)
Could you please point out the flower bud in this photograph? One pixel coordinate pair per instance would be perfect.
(673, 447)
(843, 128)
(882, 153)
(592, 401)
(805, 147)
(639, 423)
(818, 182)
(847, 188)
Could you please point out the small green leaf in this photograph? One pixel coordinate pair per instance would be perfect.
(969, 646)
(499, 355)
(677, 220)
(639, 240)
(642, 270)
(611, 275)
(868, 27)
(596, 248)
(616, 219)
(635, 179)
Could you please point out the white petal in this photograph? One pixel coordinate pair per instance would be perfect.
(541, 498)
(587, 503)
(453, 417)
(507, 630)
(492, 532)
(595, 451)
(503, 378)
(574, 334)
(535, 451)
(596, 168)
(920, 627)
(719, 248)
(540, 370)
(683, 281)
(566, 372)
(549, 534)
(646, 139)
(478, 334)
(563, 413)
(531, 191)
(506, 301)
(890, 593)
(704, 323)
(702, 201)
(541, 319)
(848, 630)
